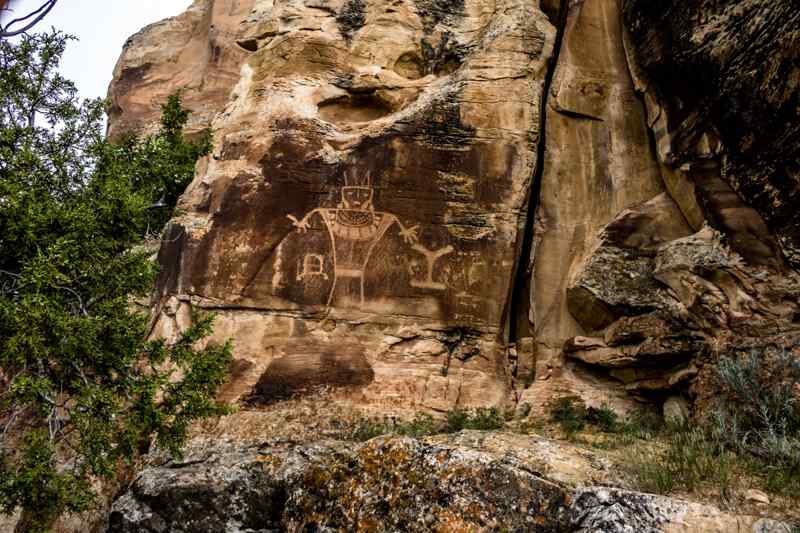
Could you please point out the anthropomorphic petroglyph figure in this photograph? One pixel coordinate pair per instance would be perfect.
(355, 229)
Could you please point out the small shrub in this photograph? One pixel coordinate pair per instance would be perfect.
(570, 413)
(755, 426)
(643, 424)
(424, 424)
(421, 425)
(763, 388)
(760, 417)
(456, 420)
(482, 418)
(605, 418)
(367, 428)
(485, 419)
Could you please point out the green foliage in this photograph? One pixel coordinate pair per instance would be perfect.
(759, 415)
(421, 425)
(482, 418)
(424, 424)
(604, 418)
(762, 394)
(569, 413)
(754, 428)
(691, 458)
(644, 424)
(158, 167)
(367, 428)
(78, 380)
(573, 417)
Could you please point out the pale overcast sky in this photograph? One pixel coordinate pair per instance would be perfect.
(102, 27)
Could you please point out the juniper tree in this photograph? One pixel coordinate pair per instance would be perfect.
(81, 388)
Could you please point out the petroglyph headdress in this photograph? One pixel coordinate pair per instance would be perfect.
(354, 178)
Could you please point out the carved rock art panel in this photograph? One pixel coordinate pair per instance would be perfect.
(372, 167)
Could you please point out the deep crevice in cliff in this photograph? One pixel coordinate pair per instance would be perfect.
(520, 299)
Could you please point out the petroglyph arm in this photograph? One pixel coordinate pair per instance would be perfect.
(409, 234)
(431, 256)
(302, 225)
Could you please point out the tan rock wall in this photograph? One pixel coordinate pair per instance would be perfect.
(359, 222)
(195, 51)
(598, 161)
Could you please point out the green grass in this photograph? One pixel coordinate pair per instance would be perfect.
(573, 416)
(604, 418)
(481, 419)
(423, 424)
(689, 459)
(569, 413)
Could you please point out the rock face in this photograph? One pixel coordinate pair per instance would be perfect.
(466, 482)
(597, 163)
(359, 222)
(727, 162)
(195, 52)
(633, 290)
(723, 78)
(431, 203)
(421, 204)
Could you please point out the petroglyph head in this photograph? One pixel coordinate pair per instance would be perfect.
(357, 197)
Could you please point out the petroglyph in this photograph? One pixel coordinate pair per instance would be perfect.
(313, 265)
(355, 228)
(431, 256)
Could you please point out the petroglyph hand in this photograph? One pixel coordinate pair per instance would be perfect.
(410, 234)
(301, 225)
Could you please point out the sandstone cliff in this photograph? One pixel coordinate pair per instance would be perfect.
(395, 208)
(422, 204)
(359, 223)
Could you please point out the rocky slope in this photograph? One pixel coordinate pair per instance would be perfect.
(421, 204)
(472, 481)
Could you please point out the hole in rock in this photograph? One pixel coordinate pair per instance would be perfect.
(353, 108)
(410, 66)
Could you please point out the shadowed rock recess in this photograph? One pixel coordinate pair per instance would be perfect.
(429, 204)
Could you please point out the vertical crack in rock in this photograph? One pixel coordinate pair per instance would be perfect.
(518, 324)
(597, 162)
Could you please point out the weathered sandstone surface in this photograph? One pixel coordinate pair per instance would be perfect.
(195, 52)
(422, 204)
(472, 481)
(597, 162)
(359, 223)
(396, 209)
(722, 81)
(634, 291)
